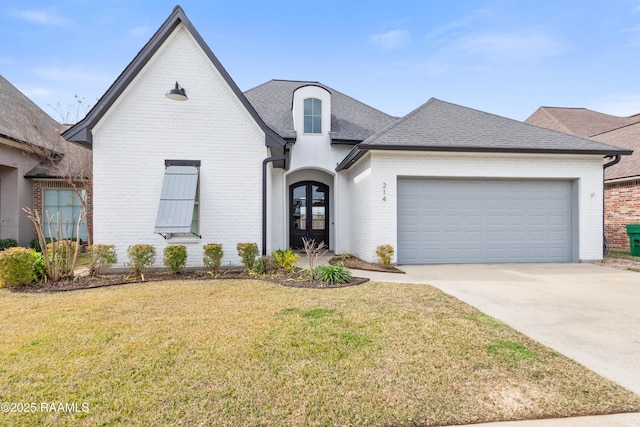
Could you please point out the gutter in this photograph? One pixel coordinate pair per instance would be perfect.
(266, 161)
(616, 160)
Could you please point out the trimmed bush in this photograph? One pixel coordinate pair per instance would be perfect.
(212, 257)
(248, 253)
(102, 257)
(286, 259)
(385, 252)
(7, 243)
(331, 274)
(141, 257)
(175, 258)
(17, 267)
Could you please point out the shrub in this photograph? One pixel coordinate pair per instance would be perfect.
(331, 274)
(264, 265)
(141, 257)
(17, 267)
(248, 253)
(385, 252)
(7, 243)
(102, 257)
(39, 266)
(35, 243)
(175, 258)
(286, 259)
(212, 258)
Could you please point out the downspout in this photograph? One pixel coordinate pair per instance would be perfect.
(284, 157)
(616, 160)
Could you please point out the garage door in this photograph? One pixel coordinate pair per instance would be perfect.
(483, 221)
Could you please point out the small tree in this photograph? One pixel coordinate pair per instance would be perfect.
(60, 254)
(61, 159)
(313, 251)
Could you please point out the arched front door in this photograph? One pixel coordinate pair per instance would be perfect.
(308, 213)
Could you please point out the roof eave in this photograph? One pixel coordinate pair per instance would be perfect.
(358, 151)
(603, 152)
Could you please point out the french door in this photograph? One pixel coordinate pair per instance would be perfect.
(308, 213)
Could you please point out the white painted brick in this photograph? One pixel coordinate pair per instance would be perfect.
(375, 221)
(143, 128)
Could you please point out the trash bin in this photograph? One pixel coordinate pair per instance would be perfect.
(633, 230)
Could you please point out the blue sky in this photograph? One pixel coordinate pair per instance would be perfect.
(501, 56)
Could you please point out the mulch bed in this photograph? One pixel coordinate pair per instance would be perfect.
(293, 280)
(350, 261)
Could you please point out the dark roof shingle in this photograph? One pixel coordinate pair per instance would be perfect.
(351, 120)
(439, 124)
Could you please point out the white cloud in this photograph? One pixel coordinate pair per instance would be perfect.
(43, 16)
(390, 40)
(497, 45)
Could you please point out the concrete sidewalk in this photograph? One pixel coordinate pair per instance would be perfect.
(587, 312)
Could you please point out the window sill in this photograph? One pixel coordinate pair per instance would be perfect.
(184, 240)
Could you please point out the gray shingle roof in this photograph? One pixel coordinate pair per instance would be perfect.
(439, 124)
(351, 120)
(442, 126)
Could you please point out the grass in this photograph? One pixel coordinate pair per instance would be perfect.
(242, 352)
(621, 255)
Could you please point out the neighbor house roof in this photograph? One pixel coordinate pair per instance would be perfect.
(351, 120)
(442, 126)
(578, 121)
(23, 123)
(81, 132)
(618, 131)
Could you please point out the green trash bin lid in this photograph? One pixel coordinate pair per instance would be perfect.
(633, 228)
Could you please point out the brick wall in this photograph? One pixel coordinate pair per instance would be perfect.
(622, 207)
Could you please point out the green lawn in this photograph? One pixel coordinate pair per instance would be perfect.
(227, 352)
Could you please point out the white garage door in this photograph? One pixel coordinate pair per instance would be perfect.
(483, 221)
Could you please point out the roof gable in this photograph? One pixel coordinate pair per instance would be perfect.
(351, 120)
(81, 132)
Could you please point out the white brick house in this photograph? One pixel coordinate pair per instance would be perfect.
(291, 159)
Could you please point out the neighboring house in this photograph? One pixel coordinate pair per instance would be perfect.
(32, 153)
(292, 159)
(622, 179)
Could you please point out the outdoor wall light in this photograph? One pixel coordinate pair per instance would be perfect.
(177, 93)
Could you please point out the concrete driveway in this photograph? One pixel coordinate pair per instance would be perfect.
(587, 312)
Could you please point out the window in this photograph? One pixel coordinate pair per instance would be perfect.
(178, 214)
(312, 115)
(70, 207)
